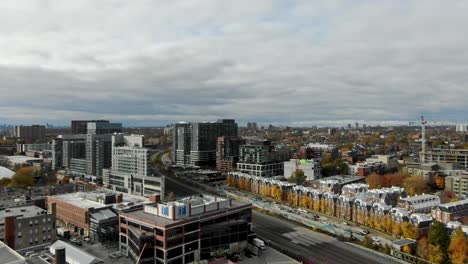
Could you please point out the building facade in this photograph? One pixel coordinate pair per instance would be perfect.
(131, 167)
(455, 211)
(194, 144)
(457, 184)
(187, 230)
(27, 228)
(227, 153)
(30, 134)
(312, 169)
(458, 157)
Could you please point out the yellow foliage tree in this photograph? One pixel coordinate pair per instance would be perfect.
(436, 255)
(388, 224)
(305, 201)
(322, 205)
(397, 230)
(317, 206)
(406, 249)
(458, 248)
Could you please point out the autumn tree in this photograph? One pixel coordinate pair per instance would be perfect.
(305, 201)
(397, 230)
(388, 224)
(423, 248)
(416, 184)
(439, 181)
(4, 182)
(436, 254)
(406, 249)
(24, 177)
(373, 180)
(458, 248)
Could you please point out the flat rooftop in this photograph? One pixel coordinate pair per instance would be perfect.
(21, 159)
(21, 212)
(81, 199)
(8, 255)
(162, 221)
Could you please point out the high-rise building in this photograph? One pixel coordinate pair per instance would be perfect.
(462, 128)
(81, 126)
(85, 154)
(227, 153)
(195, 143)
(260, 158)
(30, 134)
(131, 167)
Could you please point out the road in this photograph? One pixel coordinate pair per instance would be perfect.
(311, 246)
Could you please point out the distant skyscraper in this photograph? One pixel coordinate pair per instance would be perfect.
(357, 125)
(349, 126)
(30, 134)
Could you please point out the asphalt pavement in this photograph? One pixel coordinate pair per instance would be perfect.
(309, 246)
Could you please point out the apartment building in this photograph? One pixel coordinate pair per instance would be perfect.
(227, 153)
(27, 228)
(261, 158)
(30, 134)
(187, 230)
(457, 184)
(458, 157)
(419, 203)
(195, 144)
(131, 168)
(455, 211)
(85, 155)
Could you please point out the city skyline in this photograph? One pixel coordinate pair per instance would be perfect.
(292, 63)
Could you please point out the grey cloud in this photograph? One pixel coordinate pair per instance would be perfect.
(310, 61)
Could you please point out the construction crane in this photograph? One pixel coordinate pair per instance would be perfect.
(423, 124)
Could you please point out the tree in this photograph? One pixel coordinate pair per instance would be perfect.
(458, 248)
(397, 231)
(416, 185)
(437, 235)
(436, 255)
(305, 201)
(439, 181)
(388, 224)
(4, 182)
(297, 177)
(24, 177)
(373, 180)
(423, 248)
(406, 249)
(277, 193)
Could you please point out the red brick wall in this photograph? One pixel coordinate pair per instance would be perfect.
(70, 214)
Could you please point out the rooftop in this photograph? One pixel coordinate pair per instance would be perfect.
(87, 199)
(21, 159)
(22, 212)
(163, 221)
(6, 173)
(8, 255)
(74, 254)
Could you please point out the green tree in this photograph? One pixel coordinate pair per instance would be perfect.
(24, 177)
(297, 177)
(4, 182)
(437, 235)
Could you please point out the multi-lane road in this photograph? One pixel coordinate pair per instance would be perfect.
(309, 246)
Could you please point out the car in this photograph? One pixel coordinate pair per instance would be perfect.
(376, 239)
(344, 223)
(316, 216)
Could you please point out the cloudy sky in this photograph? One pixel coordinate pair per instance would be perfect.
(283, 62)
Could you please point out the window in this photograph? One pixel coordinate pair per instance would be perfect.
(30, 223)
(20, 234)
(19, 225)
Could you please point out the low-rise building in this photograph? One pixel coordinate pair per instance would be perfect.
(419, 203)
(455, 211)
(9, 256)
(93, 214)
(27, 228)
(186, 230)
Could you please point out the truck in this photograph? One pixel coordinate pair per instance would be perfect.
(62, 232)
(251, 249)
(259, 243)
